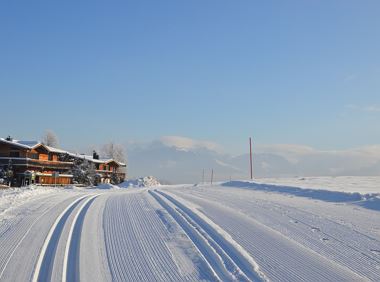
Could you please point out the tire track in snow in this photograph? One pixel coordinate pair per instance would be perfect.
(223, 256)
(71, 258)
(45, 262)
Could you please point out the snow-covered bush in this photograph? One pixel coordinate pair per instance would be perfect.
(115, 179)
(84, 172)
(6, 174)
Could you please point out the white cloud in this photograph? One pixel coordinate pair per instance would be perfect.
(221, 163)
(368, 108)
(294, 153)
(350, 77)
(291, 152)
(187, 144)
(373, 108)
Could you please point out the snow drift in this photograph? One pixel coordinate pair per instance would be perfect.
(366, 200)
(147, 181)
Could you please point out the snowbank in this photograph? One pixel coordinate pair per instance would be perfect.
(367, 200)
(105, 186)
(351, 184)
(13, 197)
(147, 181)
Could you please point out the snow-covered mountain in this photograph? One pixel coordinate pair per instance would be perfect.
(182, 161)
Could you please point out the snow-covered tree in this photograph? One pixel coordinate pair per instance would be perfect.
(2, 176)
(50, 139)
(84, 172)
(115, 179)
(114, 151)
(6, 174)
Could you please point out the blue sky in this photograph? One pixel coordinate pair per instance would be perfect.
(285, 72)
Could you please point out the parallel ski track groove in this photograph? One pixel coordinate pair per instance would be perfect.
(226, 252)
(244, 237)
(71, 267)
(129, 226)
(341, 253)
(50, 244)
(15, 226)
(214, 263)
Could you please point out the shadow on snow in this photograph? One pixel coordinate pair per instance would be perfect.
(369, 201)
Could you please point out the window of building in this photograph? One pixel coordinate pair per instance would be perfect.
(14, 154)
(33, 156)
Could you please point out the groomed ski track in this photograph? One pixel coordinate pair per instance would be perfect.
(184, 233)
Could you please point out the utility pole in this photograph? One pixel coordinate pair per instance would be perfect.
(212, 175)
(250, 156)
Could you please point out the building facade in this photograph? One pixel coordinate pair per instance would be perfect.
(32, 162)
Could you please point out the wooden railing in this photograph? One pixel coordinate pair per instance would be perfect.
(37, 163)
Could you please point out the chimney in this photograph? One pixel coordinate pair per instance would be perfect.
(9, 138)
(95, 156)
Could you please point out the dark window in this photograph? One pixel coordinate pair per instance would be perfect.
(33, 156)
(14, 154)
(50, 157)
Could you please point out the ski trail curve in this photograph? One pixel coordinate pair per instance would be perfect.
(70, 267)
(45, 261)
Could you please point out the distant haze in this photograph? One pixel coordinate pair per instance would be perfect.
(181, 160)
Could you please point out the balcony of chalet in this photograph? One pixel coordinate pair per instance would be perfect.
(106, 169)
(34, 160)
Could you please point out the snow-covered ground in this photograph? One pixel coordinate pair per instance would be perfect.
(234, 231)
(360, 184)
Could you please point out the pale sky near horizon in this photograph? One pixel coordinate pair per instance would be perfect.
(284, 72)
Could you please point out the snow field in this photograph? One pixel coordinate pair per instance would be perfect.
(307, 240)
(188, 233)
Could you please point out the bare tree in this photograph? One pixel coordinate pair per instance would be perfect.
(50, 139)
(114, 151)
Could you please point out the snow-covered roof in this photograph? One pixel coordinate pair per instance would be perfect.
(98, 161)
(20, 143)
(56, 150)
(31, 145)
(28, 143)
(34, 144)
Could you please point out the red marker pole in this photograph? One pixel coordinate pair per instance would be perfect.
(250, 156)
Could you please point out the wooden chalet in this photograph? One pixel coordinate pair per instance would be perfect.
(105, 167)
(35, 163)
